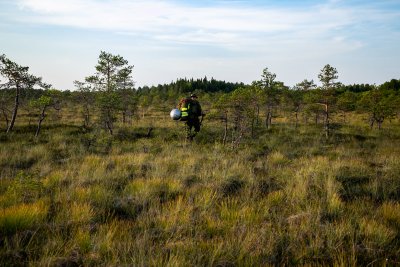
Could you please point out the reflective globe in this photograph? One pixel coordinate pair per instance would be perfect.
(175, 114)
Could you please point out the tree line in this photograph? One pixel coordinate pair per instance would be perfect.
(108, 97)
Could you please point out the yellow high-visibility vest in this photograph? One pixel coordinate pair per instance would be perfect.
(185, 112)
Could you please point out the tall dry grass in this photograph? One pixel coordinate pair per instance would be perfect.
(287, 197)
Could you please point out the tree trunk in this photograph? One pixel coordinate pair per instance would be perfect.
(268, 120)
(86, 116)
(109, 123)
(380, 121)
(41, 118)
(15, 111)
(327, 120)
(130, 116)
(258, 115)
(371, 122)
(87, 120)
(236, 141)
(124, 117)
(109, 127)
(252, 127)
(226, 128)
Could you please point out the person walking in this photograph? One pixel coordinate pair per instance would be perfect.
(191, 111)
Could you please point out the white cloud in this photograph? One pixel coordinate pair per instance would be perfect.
(166, 40)
(164, 20)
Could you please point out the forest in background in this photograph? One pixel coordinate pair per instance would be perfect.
(101, 175)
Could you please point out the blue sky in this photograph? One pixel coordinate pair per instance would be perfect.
(235, 40)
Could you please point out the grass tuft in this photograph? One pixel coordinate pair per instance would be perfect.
(22, 217)
(390, 212)
(231, 186)
(190, 180)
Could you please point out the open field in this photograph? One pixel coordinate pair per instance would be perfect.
(290, 196)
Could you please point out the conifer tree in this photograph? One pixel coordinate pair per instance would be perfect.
(112, 75)
(18, 79)
(328, 77)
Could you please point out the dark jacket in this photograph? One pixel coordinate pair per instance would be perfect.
(195, 109)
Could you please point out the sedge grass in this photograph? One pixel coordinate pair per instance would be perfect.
(290, 197)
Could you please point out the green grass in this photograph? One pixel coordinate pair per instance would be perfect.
(288, 197)
(22, 217)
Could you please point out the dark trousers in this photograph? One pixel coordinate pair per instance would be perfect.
(192, 123)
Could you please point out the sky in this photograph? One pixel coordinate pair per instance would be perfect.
(231, 40)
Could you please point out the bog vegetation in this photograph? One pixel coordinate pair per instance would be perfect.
(101, 175)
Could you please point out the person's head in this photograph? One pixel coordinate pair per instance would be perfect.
(193, 96)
